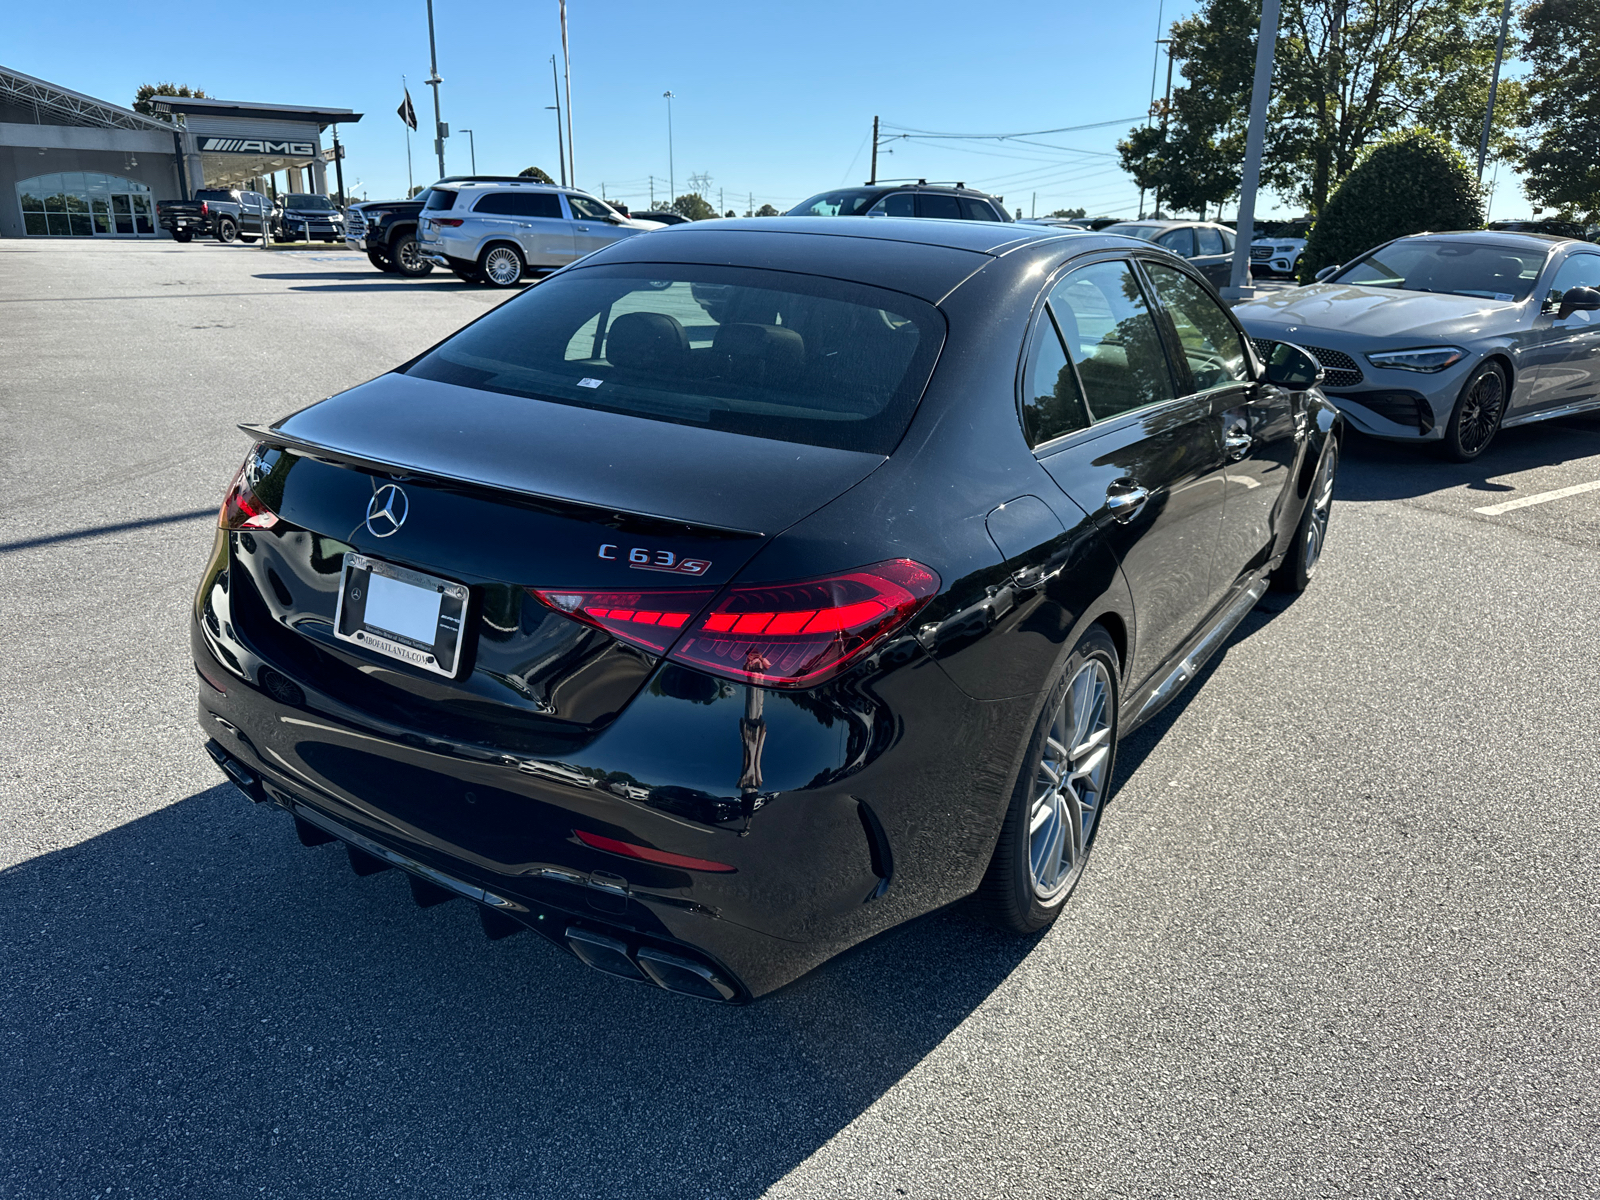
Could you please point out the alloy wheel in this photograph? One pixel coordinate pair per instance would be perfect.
(410, 257)
(1321, 507)
(1071, 782)
(502, 266)
(1480, 412)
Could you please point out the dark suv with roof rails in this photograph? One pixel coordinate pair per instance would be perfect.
(955, 202)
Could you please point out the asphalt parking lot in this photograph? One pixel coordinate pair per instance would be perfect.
(1338, 938)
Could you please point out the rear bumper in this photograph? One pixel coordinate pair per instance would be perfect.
(870, 811)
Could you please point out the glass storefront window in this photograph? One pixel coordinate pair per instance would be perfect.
(85, 204)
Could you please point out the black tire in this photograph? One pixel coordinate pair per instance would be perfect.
(185, 236)
(1300, 560)
(382, 261)
(1477, 415)
(502, 265)
(1010, 896)
(407, 256)
(227, 230)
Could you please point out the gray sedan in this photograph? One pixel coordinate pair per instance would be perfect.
(1449, 337)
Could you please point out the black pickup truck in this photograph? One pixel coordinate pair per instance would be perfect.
(386, 230)
(227, 214)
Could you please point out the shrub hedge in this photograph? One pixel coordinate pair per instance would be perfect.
(1412, 181)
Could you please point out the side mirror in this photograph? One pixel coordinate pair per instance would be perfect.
(1327, 272)
(1291, 367)
(1578, 299)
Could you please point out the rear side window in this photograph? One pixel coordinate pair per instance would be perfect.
(520, 204)
(938, 204)
(895, 204)
(440, 198)
(1052, 402)
(1112, 338)
(790, 357)
(1179, 241)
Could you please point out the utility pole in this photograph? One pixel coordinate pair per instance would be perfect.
(672, 168)
(874, 178)
(561, 144)
(566, 60)
(1260, 92)
(1155, 65)
(652, 193)
(338, 166)
(721, 205)
(1494, 86)
(472, 144)
(1165, 105)
(440, 131)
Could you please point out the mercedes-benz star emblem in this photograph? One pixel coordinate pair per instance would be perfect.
(386, 512)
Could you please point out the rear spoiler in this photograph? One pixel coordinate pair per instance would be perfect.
(644, 523)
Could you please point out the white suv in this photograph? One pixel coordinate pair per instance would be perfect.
(500, 233)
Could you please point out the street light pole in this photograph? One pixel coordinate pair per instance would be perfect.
(561, 142)
(1494, 86)
(672, 172)
(472, 144)
(566, 60)
(1255, 136)
(434, 81)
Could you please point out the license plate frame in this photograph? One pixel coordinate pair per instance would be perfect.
(444, 656)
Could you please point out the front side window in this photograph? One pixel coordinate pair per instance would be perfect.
(1210, 240)
(1581, 270)
(765, 353)
(1179, 241)
(845, 202)
(1112, 337)
(978, 210)
(1211, 345)
(1455, 268)
(587, 208)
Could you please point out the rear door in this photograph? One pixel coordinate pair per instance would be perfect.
(535, 221)
(1261, 438)
(1149, 465)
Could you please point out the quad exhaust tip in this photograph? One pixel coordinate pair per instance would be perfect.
(674, 972)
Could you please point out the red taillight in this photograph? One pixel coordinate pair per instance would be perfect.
(773, 635)
(646, 854)
(452, 222)
(800, 634)
(205, 209)
(242, 508)
(652, 619)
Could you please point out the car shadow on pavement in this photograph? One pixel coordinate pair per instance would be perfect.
(196, 1005)
(1377, 470)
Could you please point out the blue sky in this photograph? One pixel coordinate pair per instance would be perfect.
(773, 102)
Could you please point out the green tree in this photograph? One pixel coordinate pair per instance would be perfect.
(1560, 159)
(1410, 182)
(143, 103)
(766, 210)
(1347, 72)
(693, 205)
(534, 173)
(1069, 213)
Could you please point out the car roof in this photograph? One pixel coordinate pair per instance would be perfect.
(1499, 237)
(1167, 223)
(916, 255)
(907, 185)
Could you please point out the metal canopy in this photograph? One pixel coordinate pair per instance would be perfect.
(193, 107)
(74, 108)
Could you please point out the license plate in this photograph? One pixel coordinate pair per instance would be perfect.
(409, 615)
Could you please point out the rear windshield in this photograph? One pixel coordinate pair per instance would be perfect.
(795, 358)
(214, 194)
(1455, 268)
(440, 198)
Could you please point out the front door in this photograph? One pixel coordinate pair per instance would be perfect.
(1149, 469)
(1261, 438)
(592, 227)
(1561, 358)
(122, 214)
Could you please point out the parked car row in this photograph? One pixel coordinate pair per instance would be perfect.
(234, 214)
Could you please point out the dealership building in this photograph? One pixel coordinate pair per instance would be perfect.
(74, 166)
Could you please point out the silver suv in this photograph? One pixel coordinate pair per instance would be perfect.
(500, 233)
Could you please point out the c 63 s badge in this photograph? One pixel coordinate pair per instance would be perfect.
(641, 558)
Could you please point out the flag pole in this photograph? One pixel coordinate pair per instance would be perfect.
(411, 185)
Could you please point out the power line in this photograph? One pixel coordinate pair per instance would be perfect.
(1021, 134)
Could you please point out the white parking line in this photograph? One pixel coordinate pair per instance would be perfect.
(1494, 510)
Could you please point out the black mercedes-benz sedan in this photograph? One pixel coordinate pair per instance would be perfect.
(736, 594)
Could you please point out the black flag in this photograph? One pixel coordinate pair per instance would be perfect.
(407, 113)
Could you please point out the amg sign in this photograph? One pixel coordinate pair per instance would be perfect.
(217, 145)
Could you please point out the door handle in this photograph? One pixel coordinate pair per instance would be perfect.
(1124, 499)
(1238, 444)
